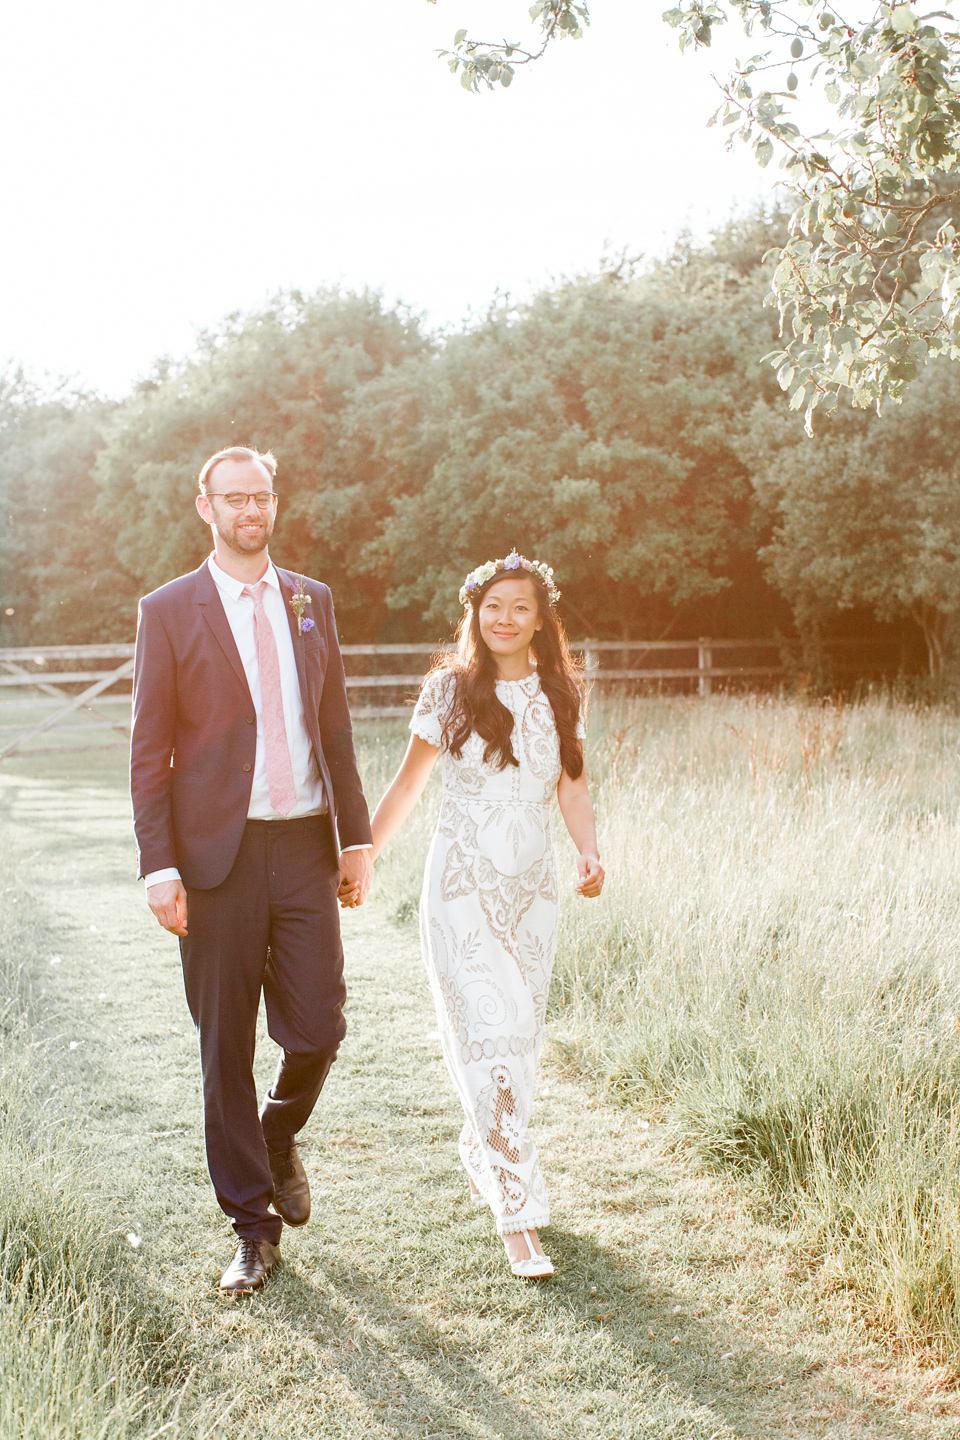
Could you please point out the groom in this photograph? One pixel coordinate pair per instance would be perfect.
(250, 820)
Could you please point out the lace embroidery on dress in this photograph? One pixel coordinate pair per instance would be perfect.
(432, 706)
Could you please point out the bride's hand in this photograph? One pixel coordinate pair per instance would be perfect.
(590, 873)
(348, 893)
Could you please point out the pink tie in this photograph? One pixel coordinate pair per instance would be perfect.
(283, 793)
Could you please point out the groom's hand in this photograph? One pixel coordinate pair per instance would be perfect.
(356, 877)
(168, 901)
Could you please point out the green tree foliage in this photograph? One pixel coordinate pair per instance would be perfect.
(868, 282)
(284, 379)
(618, 426)
(869, 514)
(593, 427)
(59, 575)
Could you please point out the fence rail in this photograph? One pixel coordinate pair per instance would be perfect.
(48, 668)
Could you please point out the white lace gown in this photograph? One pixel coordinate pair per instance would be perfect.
(488, 927)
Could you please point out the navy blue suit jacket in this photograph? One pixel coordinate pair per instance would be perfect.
(194, 736)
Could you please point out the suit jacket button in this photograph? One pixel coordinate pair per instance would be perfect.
(250, 719)
(248, 767)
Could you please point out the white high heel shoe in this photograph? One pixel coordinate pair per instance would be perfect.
(534, 1266)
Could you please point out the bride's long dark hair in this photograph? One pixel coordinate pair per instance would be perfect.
(476, 706)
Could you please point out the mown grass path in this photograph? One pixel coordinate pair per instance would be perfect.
(674, 1313)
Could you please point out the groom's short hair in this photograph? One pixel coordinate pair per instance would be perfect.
(238, 452)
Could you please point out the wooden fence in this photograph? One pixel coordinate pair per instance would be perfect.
(44, 671)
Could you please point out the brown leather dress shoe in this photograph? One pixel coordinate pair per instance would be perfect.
(291, 1189)
(250, 1267)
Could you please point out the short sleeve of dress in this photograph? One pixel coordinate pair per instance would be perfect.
(427, 719)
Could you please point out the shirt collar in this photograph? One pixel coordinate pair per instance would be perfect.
(235, 588)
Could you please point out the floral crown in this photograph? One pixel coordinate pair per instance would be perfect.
(479, 577)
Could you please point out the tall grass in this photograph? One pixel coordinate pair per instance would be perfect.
(775, 965)
(87, 1350)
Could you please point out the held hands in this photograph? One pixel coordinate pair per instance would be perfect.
(168, 901)
(356, 877)
(590, 873)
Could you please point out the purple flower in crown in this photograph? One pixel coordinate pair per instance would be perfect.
(479, 577)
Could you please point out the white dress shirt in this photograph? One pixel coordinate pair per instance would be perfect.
(306, 772)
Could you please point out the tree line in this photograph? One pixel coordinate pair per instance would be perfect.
(619, 425)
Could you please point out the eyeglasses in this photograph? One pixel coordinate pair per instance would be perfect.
(238, 500)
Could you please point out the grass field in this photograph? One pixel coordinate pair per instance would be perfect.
(748, 1115)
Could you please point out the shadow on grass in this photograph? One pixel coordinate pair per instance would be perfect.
(750, 1388)
(379, 1345)
(421, 1378)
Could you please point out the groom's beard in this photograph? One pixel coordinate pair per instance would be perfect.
(250, 542)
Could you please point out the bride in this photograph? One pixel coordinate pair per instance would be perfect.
(505, 712)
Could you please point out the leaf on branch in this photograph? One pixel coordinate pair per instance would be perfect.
(903, 20)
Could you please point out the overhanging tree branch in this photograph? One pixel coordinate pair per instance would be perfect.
(868, 284)
(480, 62)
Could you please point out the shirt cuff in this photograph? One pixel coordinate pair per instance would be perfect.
(157, 877)
(345, 848)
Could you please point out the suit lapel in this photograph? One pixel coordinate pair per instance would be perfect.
(213, 613)
(310, 708)
(287, 591)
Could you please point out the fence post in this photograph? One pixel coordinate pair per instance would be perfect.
(704, 664)
(591, 664)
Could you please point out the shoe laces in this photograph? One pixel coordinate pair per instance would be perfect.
(248, 1251)
(286, 1165)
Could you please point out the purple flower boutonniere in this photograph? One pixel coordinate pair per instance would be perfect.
(298, 604)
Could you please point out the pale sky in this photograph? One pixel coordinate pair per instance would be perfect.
(164, 164)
